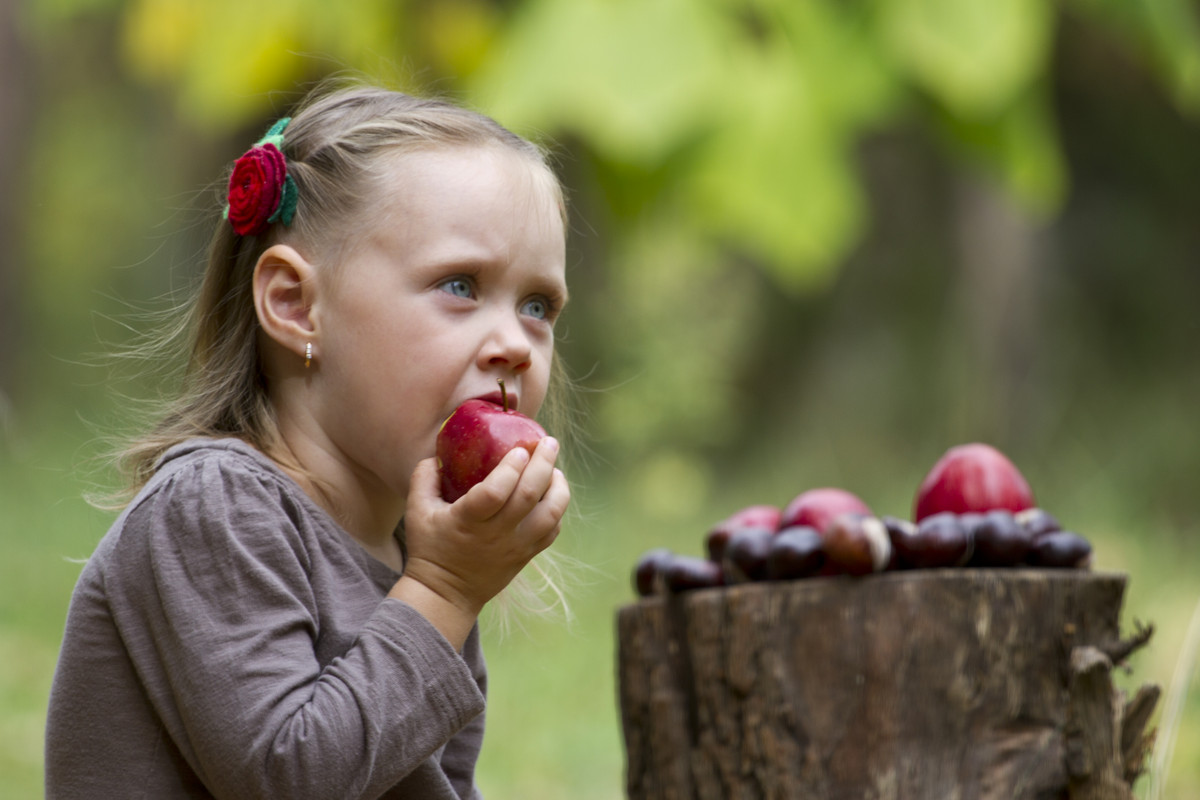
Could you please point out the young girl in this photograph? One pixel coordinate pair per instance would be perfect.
(287, 607)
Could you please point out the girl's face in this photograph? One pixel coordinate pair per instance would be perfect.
(456, 282)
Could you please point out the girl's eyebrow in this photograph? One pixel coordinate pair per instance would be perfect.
(553, 288)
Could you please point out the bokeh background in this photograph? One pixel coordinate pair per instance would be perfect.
(813, 243)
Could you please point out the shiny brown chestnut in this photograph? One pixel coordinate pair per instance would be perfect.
(897, 529)
(745, 555)
(685, 573)
(757, 516)
(1038, 521)
(648, 571)
(858, 544)
(938, 541)
(796, 552)
(1061, 550)
(1000, 541)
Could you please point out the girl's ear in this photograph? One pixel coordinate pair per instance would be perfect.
(284, 291)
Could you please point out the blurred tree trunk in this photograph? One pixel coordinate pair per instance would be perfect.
(15, 125)
(999, 250)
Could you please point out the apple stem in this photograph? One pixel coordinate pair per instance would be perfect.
(503, 394)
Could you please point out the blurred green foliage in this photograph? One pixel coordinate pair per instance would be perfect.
(813, 243)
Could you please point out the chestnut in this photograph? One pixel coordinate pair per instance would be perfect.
(715, 542)
(648, 571)
(796, 552)
(939, 540)
(857, 543)
(897, 529)
(1061, 550)
(745, 555)
(1000, 541)
(758, 516)
(685, 573)
(1038, 522)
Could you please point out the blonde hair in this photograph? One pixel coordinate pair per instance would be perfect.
(334, 145)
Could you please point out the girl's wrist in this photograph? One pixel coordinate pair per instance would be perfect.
(453, 620)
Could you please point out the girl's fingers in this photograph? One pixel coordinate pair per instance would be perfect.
(487, 498)
(477, 544)
(525, 491)
(535, 480)
(545, 520)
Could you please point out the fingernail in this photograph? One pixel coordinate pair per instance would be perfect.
(551, 444)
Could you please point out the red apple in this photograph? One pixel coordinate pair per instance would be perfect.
(972, 477)
(475, 437)
(817, 508)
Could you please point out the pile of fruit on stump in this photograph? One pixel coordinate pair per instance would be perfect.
(821, 651)
(974, 509)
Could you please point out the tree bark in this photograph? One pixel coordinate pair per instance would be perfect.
(967, 684)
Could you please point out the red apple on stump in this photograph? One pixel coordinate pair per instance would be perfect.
(972, 477)
(474, 439)
(818, 508)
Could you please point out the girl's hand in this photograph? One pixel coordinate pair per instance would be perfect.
(461, 555)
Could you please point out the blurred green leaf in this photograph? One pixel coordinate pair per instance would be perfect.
(779, 177)
(974, 56)
(225, 58)
(777, 181)
(983, 62)
(1019, 148)
(775, 91)
(459, 33)
(635, 78)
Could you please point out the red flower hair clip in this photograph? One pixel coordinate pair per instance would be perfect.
(261, 191)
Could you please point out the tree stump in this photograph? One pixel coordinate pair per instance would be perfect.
(967, 684)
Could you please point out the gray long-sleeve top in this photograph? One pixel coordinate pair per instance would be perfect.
(228, 639)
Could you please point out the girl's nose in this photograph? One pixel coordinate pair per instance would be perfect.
(507, 346)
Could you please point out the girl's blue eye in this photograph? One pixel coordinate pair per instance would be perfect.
(459, 287)
(538, 308)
